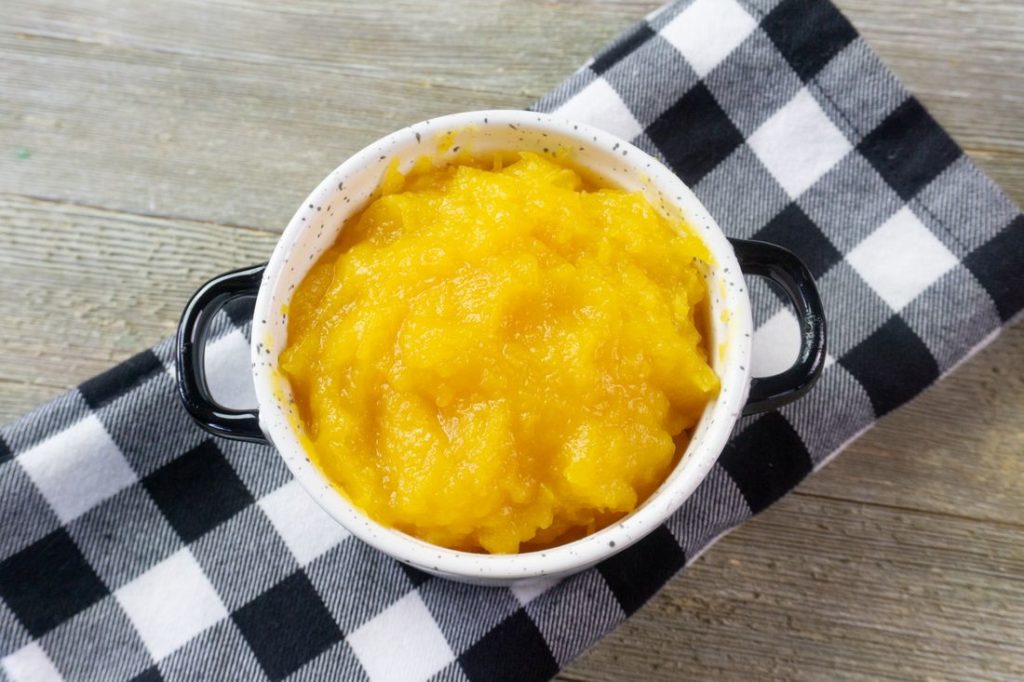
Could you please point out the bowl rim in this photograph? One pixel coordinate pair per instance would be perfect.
(694, 465)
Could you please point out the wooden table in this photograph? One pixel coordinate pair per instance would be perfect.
(145, 147)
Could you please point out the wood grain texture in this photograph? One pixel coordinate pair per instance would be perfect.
(146, 147)
(957, 451)
(95, 286)
(141, 112)
(888, 602)
(902, 560)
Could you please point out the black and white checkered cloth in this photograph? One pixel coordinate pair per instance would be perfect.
(133, 545)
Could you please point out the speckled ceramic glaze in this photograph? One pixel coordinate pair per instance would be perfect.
(345, 191)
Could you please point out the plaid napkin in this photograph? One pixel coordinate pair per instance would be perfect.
(133, 545)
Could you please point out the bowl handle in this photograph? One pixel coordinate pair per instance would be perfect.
(191, 352)
(782, 267)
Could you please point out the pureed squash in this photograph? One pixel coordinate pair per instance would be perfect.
(500, 356)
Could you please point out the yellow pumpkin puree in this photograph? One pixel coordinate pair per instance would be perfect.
(498, 355)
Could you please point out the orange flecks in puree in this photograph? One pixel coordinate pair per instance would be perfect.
(500, 357)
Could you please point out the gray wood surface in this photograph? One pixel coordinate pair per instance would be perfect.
(145, 147)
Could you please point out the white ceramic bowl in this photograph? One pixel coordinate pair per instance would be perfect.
(316, 225)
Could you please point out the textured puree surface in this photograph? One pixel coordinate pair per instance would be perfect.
(499, 357)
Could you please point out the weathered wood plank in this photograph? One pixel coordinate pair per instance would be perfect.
(235, 117)
(116, 104)
(847, 578)
(862, 592)
(210, 116)
(85, 287)
(18, 397)
(958, 450)
(962, 58)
